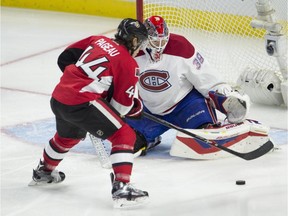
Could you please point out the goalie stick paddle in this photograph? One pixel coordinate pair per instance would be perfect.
(101, 152)
(265, 148)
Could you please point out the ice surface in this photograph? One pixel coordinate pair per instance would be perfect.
(31, 42)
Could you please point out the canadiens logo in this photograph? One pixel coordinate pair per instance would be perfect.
(155, 81)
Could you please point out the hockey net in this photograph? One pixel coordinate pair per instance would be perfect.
(221, 30)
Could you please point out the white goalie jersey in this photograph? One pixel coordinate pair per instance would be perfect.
(165, 83)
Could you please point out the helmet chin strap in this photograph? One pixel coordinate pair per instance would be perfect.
(152, 54)
(148, 51)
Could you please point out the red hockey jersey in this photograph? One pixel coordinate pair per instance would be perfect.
(103, 64)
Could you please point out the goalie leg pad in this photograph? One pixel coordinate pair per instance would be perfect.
(243, 137)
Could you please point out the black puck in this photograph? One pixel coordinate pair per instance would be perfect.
(240, 182)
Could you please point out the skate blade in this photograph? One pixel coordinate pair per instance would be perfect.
(41, 183)
(124, 203)
(33, 183)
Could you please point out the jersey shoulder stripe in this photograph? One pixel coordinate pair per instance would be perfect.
(179, 46)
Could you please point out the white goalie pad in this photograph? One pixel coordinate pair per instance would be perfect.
(263, 87)
(242, 137)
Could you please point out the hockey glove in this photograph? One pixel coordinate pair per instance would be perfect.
(136, 111)
(233, 105)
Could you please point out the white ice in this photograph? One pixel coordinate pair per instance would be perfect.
(30, 44)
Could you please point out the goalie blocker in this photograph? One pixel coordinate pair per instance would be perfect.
(242, 137)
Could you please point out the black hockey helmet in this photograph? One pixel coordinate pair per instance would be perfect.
(127, 30)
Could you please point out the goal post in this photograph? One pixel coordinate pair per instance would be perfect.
(139, 10)
(224, 32)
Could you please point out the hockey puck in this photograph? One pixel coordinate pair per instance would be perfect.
(240, 182)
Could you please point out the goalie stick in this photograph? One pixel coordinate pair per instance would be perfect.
(101, 152)
(265, 148)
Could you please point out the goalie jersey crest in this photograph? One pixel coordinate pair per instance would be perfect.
(243, 137)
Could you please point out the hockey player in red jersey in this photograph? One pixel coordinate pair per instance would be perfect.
(94, 93)
(177, 84)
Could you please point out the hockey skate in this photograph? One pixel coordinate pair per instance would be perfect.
(42, 177)
(124, 195)
(153, 144)
(143, 151)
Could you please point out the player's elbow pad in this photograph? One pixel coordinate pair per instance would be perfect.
(233, 105)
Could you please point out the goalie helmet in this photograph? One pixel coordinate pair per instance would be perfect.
(158, 36)
(129, 29)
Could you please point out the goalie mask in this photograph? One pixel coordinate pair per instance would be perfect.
(158, 36)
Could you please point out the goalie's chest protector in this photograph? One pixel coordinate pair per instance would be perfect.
(162, 84)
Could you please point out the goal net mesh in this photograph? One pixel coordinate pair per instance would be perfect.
(221, 30)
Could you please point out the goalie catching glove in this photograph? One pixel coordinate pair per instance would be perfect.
(234, 105)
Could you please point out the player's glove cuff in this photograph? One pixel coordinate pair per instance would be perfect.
(137, 109)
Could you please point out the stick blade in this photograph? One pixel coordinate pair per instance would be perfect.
(264, 149)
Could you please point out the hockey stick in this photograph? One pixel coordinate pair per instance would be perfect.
(101, 152)
(265, 148)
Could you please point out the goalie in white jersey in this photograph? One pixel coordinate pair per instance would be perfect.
(177, 84)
